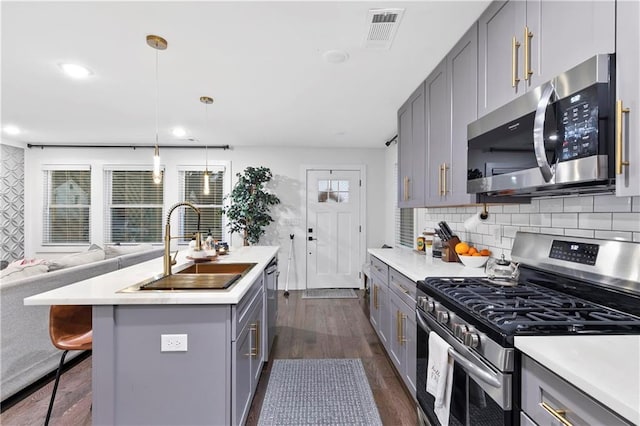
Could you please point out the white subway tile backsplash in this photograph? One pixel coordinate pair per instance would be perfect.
(551, 205)
(611, 203)
(564, 220)
(578, 204)
(520, 219)
(594, 221)
(504, 219)
(626, 222)
(534, 207)
(540, 219)
(600, 216)
(614, 235)
(552, 231)
(583, 233)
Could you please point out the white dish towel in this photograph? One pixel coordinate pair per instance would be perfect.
(440, 376)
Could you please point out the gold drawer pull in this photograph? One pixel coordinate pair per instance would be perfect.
(557, 414)
(619, 161)
(528, 35)
(514, 62)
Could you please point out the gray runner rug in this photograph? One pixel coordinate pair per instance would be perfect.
(330, 293)
(318, 392)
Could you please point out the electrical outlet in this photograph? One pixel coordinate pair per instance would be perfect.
(173, 343)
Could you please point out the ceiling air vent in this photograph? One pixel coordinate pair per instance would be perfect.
(382, 25)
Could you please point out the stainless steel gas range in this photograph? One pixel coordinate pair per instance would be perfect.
(566, 286)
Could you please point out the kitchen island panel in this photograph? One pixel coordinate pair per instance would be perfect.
(135, 383)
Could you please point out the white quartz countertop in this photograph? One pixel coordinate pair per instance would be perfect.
(605, 367)
(418, 266)
(103, 289)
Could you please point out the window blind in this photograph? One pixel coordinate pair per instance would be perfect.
(67, 205)
(191, 190)
(133, 207)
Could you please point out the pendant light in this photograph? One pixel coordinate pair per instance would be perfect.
(158, 43)
(206, 100)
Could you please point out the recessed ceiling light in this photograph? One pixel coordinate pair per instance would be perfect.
(335, 56)
(179, 132)
(11, 130)
(75, 70)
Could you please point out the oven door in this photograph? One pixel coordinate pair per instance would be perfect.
(480, 394)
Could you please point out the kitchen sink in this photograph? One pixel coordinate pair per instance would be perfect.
(199, 276)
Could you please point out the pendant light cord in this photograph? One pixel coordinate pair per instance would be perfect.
(206, 153)
(157, 98)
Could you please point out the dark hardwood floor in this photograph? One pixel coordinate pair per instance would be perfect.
(307, 328)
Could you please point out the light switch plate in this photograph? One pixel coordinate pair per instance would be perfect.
(173, 343)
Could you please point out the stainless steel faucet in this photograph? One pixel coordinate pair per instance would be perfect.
(168, 262)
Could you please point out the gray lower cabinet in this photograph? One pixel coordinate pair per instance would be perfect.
(549, 399)
(628, 98)
(212, 382)
(402, 341)
(248, 358)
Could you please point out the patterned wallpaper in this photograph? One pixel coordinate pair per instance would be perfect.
(12, 202)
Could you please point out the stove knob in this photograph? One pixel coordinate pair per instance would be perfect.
(471, 339)
(431, 306)
(422, 301)
(459, 330)
(442, 317)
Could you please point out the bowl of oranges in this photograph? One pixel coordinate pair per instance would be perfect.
(471, 256)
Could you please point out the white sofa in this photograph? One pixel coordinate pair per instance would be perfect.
(27, 354)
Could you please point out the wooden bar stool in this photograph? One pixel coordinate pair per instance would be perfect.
(70, 329)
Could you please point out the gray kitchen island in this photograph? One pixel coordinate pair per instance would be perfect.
(174, 356)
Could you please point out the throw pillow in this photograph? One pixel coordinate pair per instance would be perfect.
(76, 259)
(115, 251)
(12, 273)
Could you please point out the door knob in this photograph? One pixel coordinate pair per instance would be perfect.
(312, 239)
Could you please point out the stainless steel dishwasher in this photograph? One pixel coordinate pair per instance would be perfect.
(271, 294)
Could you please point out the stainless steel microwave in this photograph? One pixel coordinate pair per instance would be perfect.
(555, 139)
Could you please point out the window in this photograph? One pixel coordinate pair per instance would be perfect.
(67, 205)
(133, 207)
(211, 218)
(333, 191)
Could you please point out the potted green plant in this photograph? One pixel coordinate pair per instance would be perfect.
(248, 212)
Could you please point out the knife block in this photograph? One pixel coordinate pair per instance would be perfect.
(448, 250)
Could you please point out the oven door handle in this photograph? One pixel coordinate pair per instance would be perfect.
(482, 374)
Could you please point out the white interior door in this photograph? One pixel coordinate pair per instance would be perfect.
(333, 228)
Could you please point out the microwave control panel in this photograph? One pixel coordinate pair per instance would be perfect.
(578, 125)
(574, 252)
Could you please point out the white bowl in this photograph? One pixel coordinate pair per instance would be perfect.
(473, 261)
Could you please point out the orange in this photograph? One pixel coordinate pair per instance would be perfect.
(476, 254)
(462, 248)
(472, 251)
(485, 252)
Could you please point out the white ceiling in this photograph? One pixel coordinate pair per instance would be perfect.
(260, 61)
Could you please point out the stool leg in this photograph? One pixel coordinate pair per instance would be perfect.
(55, 388)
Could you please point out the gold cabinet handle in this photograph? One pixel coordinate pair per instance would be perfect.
(375, 297)
(398, 329)
(619, 161)
(257, 339)
(440, 180)
(557, 414)
(514, 62)
(444, 179)
(253, 351)
(406, 188)
(402, 338)
(528, 35)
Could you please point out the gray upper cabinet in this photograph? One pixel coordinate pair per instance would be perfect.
(628, 106)
(500, 30)
(522, 44)
(438, 119)
(411, 150)
(451, 92)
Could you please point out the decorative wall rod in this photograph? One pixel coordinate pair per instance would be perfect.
(43, 146)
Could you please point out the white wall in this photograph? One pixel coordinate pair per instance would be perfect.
(391, 202)
(285, 163)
